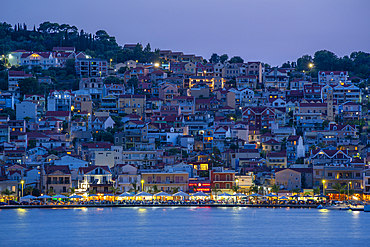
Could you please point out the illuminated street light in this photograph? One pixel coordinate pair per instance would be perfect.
(349, 183)
(142, 185)
(323, 187)
(22, 182)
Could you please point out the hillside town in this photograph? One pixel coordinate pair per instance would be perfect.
(180, 124)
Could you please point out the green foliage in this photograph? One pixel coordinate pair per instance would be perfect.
(223, 58)
(31, 143)
(286, 65)
(104, 136)
(304, 62)
(112, 80)
(214, 58)
(8, 112)
(173, 151)
(265, 130)
(236, 59)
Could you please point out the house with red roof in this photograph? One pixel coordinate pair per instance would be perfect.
(43, 59)
(97, 178)
(259, 117)
(61, 115)
(329, 156)
(332, 77)
(277, 159)
(13, 81)
(271, 145)
(186, 104)
(56, 178)
(350, 111)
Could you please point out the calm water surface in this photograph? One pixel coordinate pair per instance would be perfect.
(183, 227)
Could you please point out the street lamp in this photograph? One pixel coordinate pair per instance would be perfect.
(142, 185)
(323, 187)
(349, 183)
(22, 182)
(311, 66)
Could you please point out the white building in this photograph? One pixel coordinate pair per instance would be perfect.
(26, 109)
(59, 100)
(72, 162)
(13, 81)
(43, 59)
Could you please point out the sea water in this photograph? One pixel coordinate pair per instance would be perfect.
(183, 226)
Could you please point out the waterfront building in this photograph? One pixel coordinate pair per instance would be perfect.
(165, 181)
(56, 179)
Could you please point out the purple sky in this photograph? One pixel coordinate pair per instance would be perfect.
(272, 31)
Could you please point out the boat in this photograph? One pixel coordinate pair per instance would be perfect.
(337, 205)
(357, 206)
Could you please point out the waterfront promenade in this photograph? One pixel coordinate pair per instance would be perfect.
(157, 205)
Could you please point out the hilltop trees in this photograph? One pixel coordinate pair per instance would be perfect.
(358, 63)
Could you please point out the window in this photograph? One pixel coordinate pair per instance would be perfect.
(330, 174)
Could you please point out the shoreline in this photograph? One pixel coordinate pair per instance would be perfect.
(158, 205)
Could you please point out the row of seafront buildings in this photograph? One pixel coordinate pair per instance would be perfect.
(183, 125)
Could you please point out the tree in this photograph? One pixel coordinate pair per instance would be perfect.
(7, 193)
(134, 186)
(122, 70)
(224, 58)
(9, 112)
(215, 157)
(214, 58)
(112, 80)
(72, 191)
(235, 188)
(339, 188)
(236, 59)
(155, 189)
(28, 190)
(50, 192)
(316, 191)
(295, 191)
(104, 136)
(275, 188)
(265, 130)
(215, 190)
(286, 65)
(253, 189)
(92, 192)
(29, 86)
(175, 189)
(325, 60)
(115, 190)
(303, 63)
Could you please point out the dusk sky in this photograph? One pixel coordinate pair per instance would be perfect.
(272, 31)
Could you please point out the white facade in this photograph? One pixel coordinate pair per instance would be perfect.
(72, 162)
(26, 109)
(103, 158)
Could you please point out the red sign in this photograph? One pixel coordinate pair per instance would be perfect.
(200, 186)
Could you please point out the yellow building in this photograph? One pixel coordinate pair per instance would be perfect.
(213, 82)
(165, 181)
(130, 104)
(277, 159)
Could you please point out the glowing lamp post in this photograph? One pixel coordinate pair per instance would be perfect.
(349, 183)
(22, 182)
(323, 187)
(142, 185)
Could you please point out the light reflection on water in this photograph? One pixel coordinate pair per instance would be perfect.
(178, 226)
